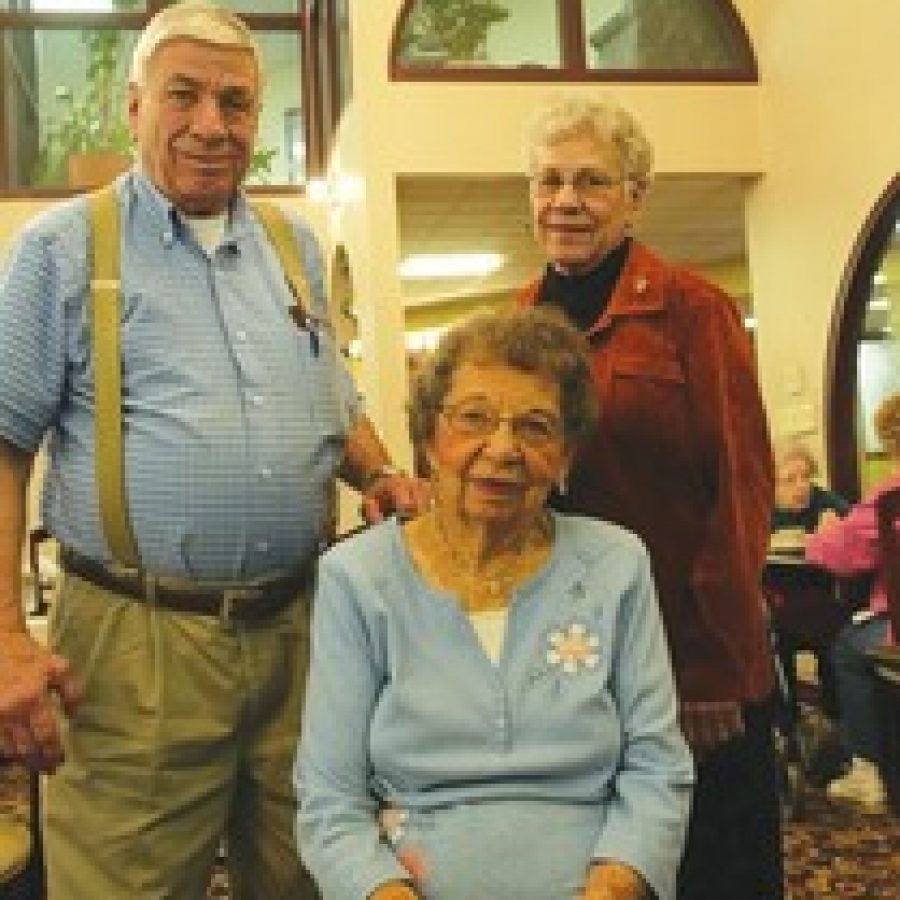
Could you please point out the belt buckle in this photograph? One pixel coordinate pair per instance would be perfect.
(232, 598)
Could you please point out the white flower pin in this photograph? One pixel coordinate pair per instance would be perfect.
(573, 647)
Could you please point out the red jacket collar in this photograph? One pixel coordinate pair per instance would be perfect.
(639, 290)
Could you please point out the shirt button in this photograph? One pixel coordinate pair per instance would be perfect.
(257, 400)
(241, 335)
(266, 472)
(263, 546)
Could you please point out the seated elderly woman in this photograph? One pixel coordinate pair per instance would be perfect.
(801, 504)
(491, 710)
(803, 616)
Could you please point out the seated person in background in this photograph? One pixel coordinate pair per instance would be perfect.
(491, 709)
(800, 507)
(850, 546)
(800, 504)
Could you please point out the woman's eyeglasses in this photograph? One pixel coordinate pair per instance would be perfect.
(586, 183)
(479, 419)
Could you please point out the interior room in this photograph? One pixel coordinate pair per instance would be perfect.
(397, 135)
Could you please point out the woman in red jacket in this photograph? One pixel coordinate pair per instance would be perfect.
(681, 456)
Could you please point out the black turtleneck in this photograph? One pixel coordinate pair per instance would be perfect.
(584, 296)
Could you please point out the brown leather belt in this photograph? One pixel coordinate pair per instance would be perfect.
(252, 601)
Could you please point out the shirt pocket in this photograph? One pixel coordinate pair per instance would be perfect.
(648, 404)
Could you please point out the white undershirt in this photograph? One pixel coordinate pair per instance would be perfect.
(490, 628)
(208, 230)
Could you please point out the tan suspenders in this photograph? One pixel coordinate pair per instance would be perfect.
(105, 316)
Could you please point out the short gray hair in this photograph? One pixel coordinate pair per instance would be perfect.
(791, 449)
(196, 20)
(604, 123)
(539, 340)
(887, 424)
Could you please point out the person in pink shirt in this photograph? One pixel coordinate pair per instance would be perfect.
(849, 546)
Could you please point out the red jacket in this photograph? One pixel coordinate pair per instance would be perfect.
(681, 456)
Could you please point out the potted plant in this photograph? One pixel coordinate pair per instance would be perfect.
(89, 142)
(450, 30)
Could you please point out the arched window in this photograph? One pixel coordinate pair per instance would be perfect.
(864, 352)
(528, 40)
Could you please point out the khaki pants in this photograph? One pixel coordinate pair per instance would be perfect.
(187, 732)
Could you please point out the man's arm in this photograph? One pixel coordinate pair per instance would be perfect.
(367, 467)
(29, 674)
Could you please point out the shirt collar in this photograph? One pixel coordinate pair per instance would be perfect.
(164, 215)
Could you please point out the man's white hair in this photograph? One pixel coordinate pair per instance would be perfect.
(197, 20)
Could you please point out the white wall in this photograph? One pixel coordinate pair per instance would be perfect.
(832, 137)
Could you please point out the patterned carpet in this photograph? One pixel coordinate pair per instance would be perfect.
(831, 853)
(837, 853)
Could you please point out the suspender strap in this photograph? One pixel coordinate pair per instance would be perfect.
(283, 239)
(109, 459)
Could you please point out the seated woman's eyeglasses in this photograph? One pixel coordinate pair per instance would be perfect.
(477, 419)
(584, 182)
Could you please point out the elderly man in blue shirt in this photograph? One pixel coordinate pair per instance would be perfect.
(181, 689)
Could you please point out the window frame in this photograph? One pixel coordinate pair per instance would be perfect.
(319, 87)
(574, 66)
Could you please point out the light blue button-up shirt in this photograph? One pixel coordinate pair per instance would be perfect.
(234, 417)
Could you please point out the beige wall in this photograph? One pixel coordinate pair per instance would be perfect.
(833, 146)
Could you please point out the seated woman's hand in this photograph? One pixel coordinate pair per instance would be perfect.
(827, 518)
(394, 890)
(614, 881)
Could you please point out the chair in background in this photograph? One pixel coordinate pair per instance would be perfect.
(21, 851)
(889, 551)
(886, 660)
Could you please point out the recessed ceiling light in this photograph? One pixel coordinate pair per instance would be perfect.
(450, 265)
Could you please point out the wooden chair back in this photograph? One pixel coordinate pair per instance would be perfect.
(889, 547)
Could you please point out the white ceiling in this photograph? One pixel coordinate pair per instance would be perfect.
(694, 219)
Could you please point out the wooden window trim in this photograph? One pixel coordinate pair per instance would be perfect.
(574, 66)
(136, 20)
(842, 373)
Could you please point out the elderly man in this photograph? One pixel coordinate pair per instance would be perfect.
(180, 675)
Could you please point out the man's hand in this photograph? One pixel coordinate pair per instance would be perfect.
(32, 679)
(708, 723)
(398, 493)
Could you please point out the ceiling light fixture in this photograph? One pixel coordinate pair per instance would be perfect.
(450, 265)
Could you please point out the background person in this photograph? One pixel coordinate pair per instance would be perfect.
(800, 503)
(491, 712)
(850, 546)
(234, 428)
(796, 596)
(681, 457)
